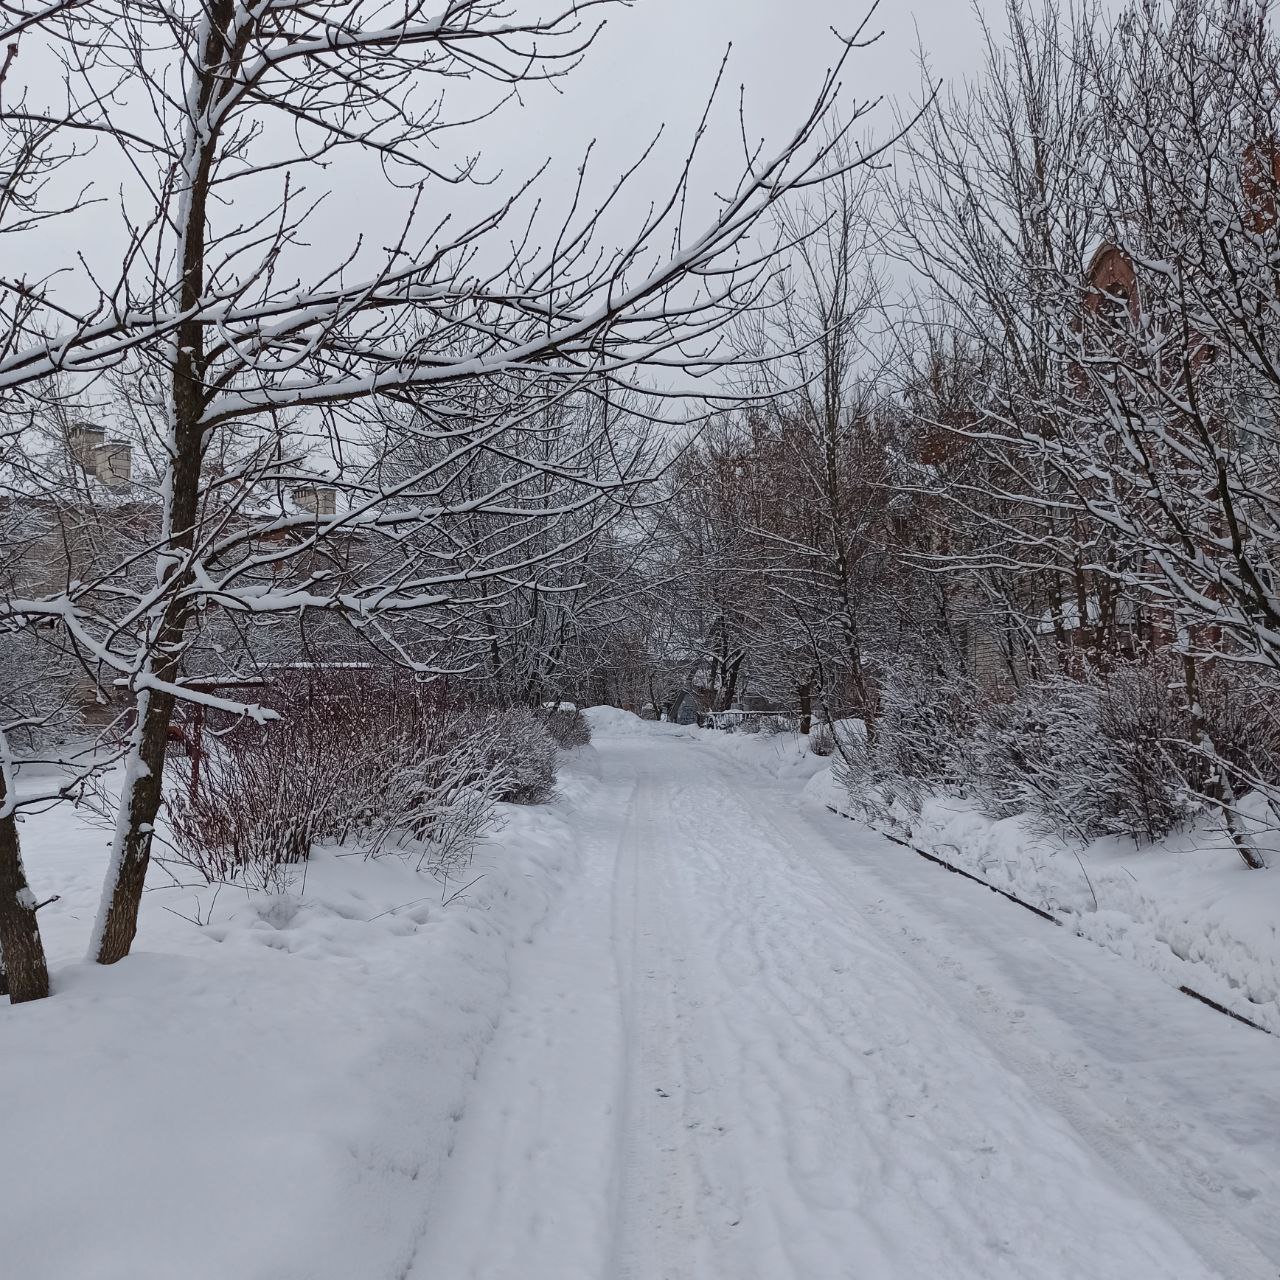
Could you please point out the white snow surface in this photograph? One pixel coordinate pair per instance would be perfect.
(688, 1026)
(1186, 908)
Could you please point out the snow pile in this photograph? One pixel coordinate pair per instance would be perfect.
(1185, 907)
(785, 756)
(617, 723)
(271, 1092)
(825, 789)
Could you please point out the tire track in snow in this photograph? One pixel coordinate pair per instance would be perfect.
(660, 1216)
(1143, 1142)
(525, 1193)
(876, 1117)
(739, 1051)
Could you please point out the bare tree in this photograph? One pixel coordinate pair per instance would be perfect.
(1000, 201)
(817, 361)
(245, 365)
(1096, 217)
(30, 156)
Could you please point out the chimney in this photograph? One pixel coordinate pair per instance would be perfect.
(84, 438)
(318, 500)
(113, 464)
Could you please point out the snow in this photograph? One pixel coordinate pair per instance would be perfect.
(784, 756)
(615, 723)
(268, 1095)
(1185, 908)
(687, 1026)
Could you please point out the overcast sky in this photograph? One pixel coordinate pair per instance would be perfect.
(656, 62)
(653, 65)
(658, 58)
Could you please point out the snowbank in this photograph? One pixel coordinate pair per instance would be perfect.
(626, 724)
(1185, 908)
(785, 756)
(271, 1092)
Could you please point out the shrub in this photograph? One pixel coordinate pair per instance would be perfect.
(860, 771)
(923, 732)
(520, 755)
(1043, 755)
(568, 726)
(1241, 708)
(772, 725)
(822, 742)
(358, 755)
(1113, 754)
(1085, 759)
(262, 800)
(921, 742)
(1145, 725)
(439, 802)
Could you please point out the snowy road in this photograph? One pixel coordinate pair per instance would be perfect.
(755, 1041)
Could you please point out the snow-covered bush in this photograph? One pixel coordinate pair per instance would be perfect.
(568, 726)
(923, 733)
(1043, 755)
(822, 742)
(859, 771)
(920, 743)
(440, 799)
(1087, 758)
(1145, 724)
(1241, 707)
(251, 813)
(520, 755)
(360, 757)
(772, 725)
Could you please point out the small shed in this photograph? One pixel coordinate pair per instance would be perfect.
(686, 708)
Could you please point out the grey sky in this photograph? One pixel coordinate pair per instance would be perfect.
(655, 63)
(659, 57)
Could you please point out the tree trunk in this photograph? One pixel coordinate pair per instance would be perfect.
(25, 972)
(1215, 784)
(806, 707)
(117, 922)
(135, 825)
(731, 686)
(863, 694)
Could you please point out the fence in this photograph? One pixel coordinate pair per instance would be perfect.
(736, 721)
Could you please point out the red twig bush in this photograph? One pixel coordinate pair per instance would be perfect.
(360, 756)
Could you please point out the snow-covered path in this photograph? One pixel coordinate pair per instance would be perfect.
(755, 1041)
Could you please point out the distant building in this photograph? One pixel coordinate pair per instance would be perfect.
(319, 500)
(686, 709)
(110, 462)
